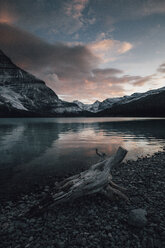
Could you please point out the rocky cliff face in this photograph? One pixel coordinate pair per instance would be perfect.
(24, 94)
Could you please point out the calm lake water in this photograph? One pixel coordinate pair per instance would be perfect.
(32, 149)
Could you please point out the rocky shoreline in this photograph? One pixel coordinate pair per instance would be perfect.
(94, 221)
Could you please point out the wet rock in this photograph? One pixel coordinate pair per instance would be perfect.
(137, 217)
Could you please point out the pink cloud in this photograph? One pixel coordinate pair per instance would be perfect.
(72, 71)
(161, 68)
(108, 49)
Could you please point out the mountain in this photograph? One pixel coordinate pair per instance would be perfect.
(88, 107)
(99, 106)
(22, 94)
(150, 103)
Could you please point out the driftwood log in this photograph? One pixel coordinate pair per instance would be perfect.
(97, 179)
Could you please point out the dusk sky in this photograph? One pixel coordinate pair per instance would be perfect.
(87, 49)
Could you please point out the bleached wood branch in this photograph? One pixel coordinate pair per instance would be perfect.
(97, 179)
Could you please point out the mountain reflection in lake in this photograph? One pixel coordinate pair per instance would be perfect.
(34, 149)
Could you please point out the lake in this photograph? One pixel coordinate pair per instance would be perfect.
(34, 149)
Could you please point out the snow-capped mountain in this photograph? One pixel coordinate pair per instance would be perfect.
(88, 107)
(23, 94)
(97, 105)
(110, 102)
(148, 104)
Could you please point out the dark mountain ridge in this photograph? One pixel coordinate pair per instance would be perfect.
(24, 95)
(149, 106)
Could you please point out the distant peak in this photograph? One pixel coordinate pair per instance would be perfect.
(5, 61)
(2, 53)
(97, 101)
(77, 101)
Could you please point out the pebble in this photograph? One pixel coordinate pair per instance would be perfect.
(94, 222)
(137, 217)
(108, 228)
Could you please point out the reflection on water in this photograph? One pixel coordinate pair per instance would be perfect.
(33, 149)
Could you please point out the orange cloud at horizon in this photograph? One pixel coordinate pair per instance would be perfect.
(6, 17)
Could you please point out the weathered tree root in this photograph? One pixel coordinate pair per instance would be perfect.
(97, 179)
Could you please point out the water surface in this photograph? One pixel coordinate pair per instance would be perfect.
(33, 149)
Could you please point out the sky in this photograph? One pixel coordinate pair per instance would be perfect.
(87, 50)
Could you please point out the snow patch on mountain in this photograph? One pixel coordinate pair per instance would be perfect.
(19, 90)
(88, 107)
(9, 96)
(109, 102)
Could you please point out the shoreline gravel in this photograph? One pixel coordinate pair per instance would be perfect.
(95, 221)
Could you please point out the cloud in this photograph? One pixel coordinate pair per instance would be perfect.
(75, 8)
(70, 70)
(142, 80)
(106, 72)
(53, 16)
(150, 7)
(138, 9)
(6, 17)
(108, 49)
(102, 84)
(71, 16)
(161, 68)
(111, 13)
(35, 54)
(110, 76)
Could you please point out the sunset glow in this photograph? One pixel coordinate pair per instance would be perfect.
(78, 46)
(7, 18)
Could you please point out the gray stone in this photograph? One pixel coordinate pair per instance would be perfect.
(163, 235)
(60, 244)
(28, 245)
(108, 228)
(150, 243)
(11, 229)
(31, 239)
(137, 217)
